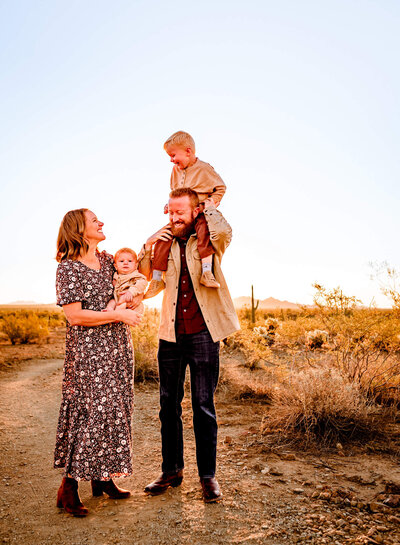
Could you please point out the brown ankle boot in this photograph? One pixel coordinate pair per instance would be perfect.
(164, 481)
(68, 498)
(110, 488)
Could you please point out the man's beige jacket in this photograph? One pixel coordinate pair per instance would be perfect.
(216, 304)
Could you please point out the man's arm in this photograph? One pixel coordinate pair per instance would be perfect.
(220, 230)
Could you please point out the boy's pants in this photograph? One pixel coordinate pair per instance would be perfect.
(162, 247)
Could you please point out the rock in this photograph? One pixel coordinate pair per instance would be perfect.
(265, 470)
(298, 491)
(275, 471)
(325, 496)
(392, 488)
(289, 457)
(392, 501)
(375, 506)
(395, 520)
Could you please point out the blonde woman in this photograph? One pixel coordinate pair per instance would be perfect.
(94, 428)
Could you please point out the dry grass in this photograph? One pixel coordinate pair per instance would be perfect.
(322, 406)
(145, 343)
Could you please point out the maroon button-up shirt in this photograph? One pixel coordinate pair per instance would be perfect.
(189, 318)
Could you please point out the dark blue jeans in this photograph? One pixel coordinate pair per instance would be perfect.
(202, 355)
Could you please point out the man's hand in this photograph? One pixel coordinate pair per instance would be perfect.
(162, 234)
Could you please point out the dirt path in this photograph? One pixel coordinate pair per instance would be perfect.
(269, 498)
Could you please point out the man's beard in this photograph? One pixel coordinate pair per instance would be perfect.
(182, 229)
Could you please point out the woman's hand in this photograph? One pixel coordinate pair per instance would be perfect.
(129, 317)
(162, 234)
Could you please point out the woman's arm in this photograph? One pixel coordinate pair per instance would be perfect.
(76, 315)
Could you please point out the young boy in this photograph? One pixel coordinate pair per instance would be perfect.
(189, 171)
(128, 281)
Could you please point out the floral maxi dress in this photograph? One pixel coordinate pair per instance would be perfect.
(94, 437)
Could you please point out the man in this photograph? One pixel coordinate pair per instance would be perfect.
(194, 319)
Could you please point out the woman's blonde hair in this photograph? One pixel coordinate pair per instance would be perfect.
(181, 139)
(70, 241)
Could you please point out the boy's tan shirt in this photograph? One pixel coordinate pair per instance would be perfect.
(216, 304)
(202, 178)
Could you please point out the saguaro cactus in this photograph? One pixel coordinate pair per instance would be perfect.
(253, 307)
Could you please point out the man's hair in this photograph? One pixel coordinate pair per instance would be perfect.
(125, 251)
(181, 139)
(185, 192)
(71, 242)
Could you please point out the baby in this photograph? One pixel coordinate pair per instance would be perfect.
(128, 281)
(189, 171)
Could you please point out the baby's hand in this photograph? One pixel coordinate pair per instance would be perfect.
(209, 203)
(166, 208)
(126, 297)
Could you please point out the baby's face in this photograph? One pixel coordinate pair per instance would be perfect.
(125, 263)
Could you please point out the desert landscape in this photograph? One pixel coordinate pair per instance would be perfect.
(308, 447)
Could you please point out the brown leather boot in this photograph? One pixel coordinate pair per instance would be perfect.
(163, 482)
(211, 491)
(68, 498)
(110, 488)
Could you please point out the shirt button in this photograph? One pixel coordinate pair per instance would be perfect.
(184, 310)
(184, 295)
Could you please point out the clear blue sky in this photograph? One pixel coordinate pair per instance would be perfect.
(295, 104)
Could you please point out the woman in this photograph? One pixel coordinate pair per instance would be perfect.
(94, 427)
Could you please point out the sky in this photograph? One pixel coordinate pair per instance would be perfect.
(295, 105)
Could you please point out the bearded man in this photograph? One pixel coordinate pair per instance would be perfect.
(194, 319)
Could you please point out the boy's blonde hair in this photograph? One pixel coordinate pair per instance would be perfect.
(125, 251)
(181, 139)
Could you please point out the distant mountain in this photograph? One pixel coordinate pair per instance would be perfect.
(268, 303)
(30, 305)
(19, 303)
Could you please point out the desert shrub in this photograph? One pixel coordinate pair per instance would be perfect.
(145, 343)
(267, 332)
(321, 405)
(316, 339)
(24, 327)
(251, 346)
(241, 385)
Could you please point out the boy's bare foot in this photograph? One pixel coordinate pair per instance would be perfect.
(154, 288)
(208, 280)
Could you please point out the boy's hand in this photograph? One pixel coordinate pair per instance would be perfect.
(166, 208)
